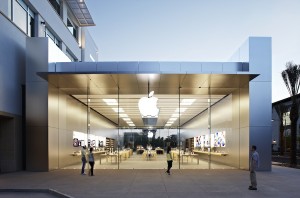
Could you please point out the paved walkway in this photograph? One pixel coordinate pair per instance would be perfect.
(281, 182)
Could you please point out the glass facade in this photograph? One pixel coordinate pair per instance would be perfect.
(23, 17)
(201, 124)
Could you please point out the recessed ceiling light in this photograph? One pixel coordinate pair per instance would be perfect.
(172, 119)
(129, 122)
(127, 119)
(187, 101)
(110, 101)
(118, 109)
(123, 115)
(175, 115)
(168, 124)
(181, 110)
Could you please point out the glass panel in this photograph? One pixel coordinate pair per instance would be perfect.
(31, 26)
(20, 17)
(194, 129)
(56, 5)
(72, 28)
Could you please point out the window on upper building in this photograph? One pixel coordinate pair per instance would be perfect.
(286, 119)
(23, 17)
(70, 56)
(72, 27)
(56, 5)
(50, 35)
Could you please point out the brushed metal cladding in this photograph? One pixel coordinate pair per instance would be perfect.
(12, 66)
(85, 67)
(53, 148)
(149, 67)
(36, 104)
(169, 67)
(53, 108)
(260, 61)
(36, 58)
(107, 66)
(191, 67)
(62, 108)
(260, 103)
(260, 58)
(232, 67)
(128, 67)
(244, 148)
(37, 148)
(244, 107)
(261, 137)
(211, 67)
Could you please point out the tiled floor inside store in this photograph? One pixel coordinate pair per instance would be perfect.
(159, 162)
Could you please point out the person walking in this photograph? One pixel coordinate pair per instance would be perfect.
(83, 159)
(254, 164)
(91, 162)
(169, 159)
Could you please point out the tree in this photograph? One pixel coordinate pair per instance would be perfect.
(281, 109)
(291, 78)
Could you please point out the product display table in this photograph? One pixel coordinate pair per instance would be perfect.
(159, 151)
(149, 155)
(210, 153)
(187, 156)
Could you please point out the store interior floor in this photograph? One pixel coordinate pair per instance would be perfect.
(137, 161)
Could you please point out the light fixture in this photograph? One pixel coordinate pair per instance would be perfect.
(123, 115)
(43, 23)
(181, 110)
(118, 110)
(127, 119)
(111, 102)
(187, 101)
(175, 115)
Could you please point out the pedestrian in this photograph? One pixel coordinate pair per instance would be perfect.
(254, 164)
(169, 159)
(91, 162)
(83, 159)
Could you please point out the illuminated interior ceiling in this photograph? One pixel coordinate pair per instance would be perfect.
(81, 12)
(132, 87)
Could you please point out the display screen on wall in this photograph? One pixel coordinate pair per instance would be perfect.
(217, 139)
(81, 139)
(220, 140)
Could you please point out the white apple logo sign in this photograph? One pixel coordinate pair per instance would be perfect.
(147, 106)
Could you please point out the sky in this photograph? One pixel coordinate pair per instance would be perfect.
(196, 30)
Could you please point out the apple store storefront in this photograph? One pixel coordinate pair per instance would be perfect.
(209, 113)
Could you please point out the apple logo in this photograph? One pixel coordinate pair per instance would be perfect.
(147, 106)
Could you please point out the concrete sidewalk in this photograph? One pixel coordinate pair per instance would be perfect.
(281, 182)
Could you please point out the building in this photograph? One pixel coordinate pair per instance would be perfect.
(286, 125)
(54, 21)
(58, 98)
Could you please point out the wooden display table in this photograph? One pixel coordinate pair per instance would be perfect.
(210, 153)
(159, 151)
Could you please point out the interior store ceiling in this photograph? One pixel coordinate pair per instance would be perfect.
(129, 88)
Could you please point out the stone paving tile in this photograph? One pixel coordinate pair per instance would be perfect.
(281, 182)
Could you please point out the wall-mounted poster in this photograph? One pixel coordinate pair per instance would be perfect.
(220, 139)
(197, 142)
(75, 142)
(217, 139)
